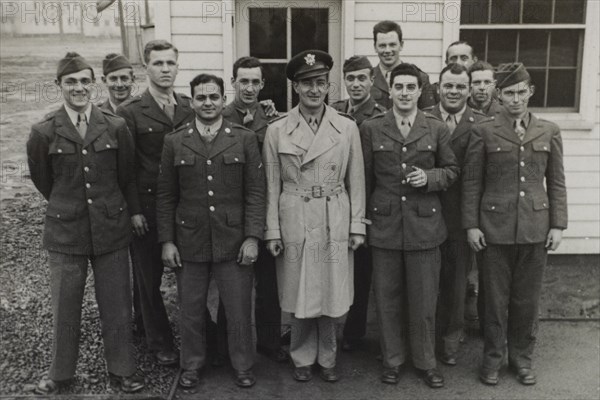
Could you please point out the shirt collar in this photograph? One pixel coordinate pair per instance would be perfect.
(359, 105)
(162, 98)
(411, 117)
(112, 105)
(457, 116)
(526, 119)
(74, 115)
(213, 128)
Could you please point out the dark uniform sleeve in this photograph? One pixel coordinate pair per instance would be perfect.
(367, 150)
(126, 169)
(133, 200)
(254, 189)
(472, 180)
(167, 193)
(447, 170)
(40, 166)
(427, 98)
(555, 183)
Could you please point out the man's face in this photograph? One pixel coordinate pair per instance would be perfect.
(454, 91)
(388, 47)
(76, 89)
(248, 84)
(162, 68)
(482, 86)
(119, 84)
(358, 84)
(516, 97)
(461, 54)
(208, 102)
(312, 91)
(405, 92)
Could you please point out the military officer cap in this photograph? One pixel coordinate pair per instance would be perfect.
(308, 64)
(72, 62)
(511, 73)
(113, 62)
(356, 63)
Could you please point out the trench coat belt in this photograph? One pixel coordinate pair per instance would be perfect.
(312, 191)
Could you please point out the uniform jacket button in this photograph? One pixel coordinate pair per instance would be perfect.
(84, 152)
(59, 150)
(211, 208)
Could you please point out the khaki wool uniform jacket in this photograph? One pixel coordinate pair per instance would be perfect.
(451, 197)
(258, 125)
(404, 217)
(315, 200)
(364, 112)
(514, 191)
(380, 91)
(210, 198)
(88, 182)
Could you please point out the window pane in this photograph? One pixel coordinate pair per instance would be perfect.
(538, 78)
(505, 11)
(476, 39)
(275, 85)
(310, 29)
(502, 46)
(474, 11)
(533, 47)
(537, 11)
(268, 32)
(569, 11)
(564, 48)
(561, 88)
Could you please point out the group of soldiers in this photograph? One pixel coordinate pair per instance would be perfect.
(402, 186)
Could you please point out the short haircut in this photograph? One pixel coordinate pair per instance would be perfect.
(158, 45)
(406, 69)
(481, 66)
(455, 69)
(386, 27)
(207, 78)
(247, 62)
(459, 42)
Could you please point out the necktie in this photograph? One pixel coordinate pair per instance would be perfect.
(405, 127)
(520, 129)
(169, 109)
(387, 77)
(451, 122)
(81, 124)
(314, 124)
(208, 135)
(351, 109)
(248, 118)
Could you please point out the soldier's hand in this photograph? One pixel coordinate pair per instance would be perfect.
(170, 255)
(356, 241)
(476, 239)
(269, 108)
(139, 223)
(417, 178)
(275, 247)
(248, 251)
(553, 239)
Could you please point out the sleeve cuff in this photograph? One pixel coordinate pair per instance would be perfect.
(272, 234)
(358, 228)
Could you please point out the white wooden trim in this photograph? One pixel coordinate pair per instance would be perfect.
(589, 69)
(228, 18)
(526, 26)
(162, 19)
(348, 21)
(451, 31)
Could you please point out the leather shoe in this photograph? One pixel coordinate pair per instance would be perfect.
(329, 374)
(448, 360)
(189, 378)
(433, 378)
(48, 386)
(526, 376)
(390, 375)
(128, 384)
(278, 355)
(166, 357)
(245, 379)
(489, 377)
(302, 374)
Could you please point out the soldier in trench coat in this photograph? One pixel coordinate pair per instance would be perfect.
(315, 210)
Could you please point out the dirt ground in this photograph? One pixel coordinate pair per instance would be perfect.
(567, 356)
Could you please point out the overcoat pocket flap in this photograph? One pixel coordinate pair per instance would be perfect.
(115, 207)
(61, 212)
(382, 207)
(426, 210)
(494, 205)
(185, 219)
(540, 204)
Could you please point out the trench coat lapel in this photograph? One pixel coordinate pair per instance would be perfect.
(96, 127)
(302, 138)
(151, 109)
(191, 140)
(64, 126)
(534, 129)
(326, 136)
(419, 128)
(225, 139)
(503, 127)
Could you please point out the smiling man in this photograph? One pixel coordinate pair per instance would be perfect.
(211, 211)
(118, 78)
(150, 116)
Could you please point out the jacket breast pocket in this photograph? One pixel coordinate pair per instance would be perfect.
(425, 145)
(106, 147)
(496, 147)
(61, 146)
(233, 169)
(150, 128)
(184, 160)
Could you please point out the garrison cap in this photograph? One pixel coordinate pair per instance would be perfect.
(510, 73)
(308, 64)
(113, 62)
(356, 63)
(72, 62)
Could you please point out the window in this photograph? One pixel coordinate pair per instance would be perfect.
(545, 35)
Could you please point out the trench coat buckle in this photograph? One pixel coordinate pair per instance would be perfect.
(317, 192)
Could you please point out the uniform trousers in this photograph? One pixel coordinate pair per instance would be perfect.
(356, 320)
(148, 269)
(235, 289)
(313, 340)
(512, 281)
(112, 285)
(457, 258)
(406, 288)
